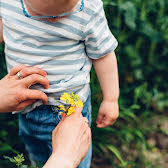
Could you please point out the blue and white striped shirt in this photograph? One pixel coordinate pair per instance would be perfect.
(64, 49)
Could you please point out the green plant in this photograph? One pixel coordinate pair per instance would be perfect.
(141, 28)
(17, 160)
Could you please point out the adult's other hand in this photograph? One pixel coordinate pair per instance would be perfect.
(70, 141)
(15, 94)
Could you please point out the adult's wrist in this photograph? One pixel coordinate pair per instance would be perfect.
(57, 160)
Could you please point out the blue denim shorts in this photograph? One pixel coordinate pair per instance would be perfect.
(35, 129)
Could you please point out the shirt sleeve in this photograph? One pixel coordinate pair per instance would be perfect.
(99, 40)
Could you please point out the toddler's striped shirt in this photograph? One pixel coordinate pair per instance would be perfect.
(64, 49)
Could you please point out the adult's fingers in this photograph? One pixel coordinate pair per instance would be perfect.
(16, 69)
(24, 104)
(87, 134)
(32, 70)
(30, 94)
(86, 130)
(63, 118)
(35, 78)
(78, 111)
(86, 121)
(26, 70)
(63, 115)
(77, 114)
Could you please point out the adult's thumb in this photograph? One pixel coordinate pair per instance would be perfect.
(78, 111)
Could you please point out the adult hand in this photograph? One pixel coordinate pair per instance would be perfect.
(15, 94)
(70, 141)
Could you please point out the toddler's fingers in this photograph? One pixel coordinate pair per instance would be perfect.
(100, 125)
(100, 117)
(106, 122)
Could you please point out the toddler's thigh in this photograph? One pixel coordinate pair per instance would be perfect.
(86, 112)
(35, 129)
(86, 162)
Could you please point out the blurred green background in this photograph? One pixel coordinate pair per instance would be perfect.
(139, 138)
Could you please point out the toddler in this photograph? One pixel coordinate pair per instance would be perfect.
(64, 38)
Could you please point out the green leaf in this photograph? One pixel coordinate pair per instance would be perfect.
(128, 114)
(106, 2)
(116, 153)
(139, 134)
(10, 159)
(130, 14)
(5, 148)
(24, 166)
(135, 107)
(152, 33)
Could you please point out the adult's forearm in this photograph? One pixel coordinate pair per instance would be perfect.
(107, 73)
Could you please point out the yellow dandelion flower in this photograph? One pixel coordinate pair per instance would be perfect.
(60, 113)
(74, 97)
(79, 103)
(77, 97)
(61, 107)
(71, 101)
(72, 94)
(70, 111)
(65, 97)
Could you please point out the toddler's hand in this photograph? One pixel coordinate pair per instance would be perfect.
(108, 113)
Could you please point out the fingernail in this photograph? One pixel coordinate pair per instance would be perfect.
(45, 73)
(63, 115)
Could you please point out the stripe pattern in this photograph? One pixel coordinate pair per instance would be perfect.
(64, 49)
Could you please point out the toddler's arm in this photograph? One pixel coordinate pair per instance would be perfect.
(1, 30)
(107, 73)
(98, 42)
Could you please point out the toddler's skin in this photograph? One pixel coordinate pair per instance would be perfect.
(105, 67)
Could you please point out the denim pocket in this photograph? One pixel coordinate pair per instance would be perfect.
(56, 111)
(43, 115)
